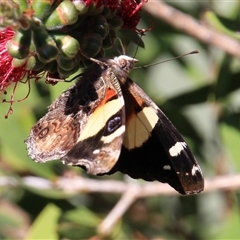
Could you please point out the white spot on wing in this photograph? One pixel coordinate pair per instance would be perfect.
(97, 151)
(177, 148)
(195, 169)
(167, 167)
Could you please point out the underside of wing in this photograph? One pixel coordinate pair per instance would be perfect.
(55, 133)
(153, 149)
(99, 144)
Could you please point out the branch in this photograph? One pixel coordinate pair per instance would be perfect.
(192, 27)
(84, 185)
(127, 199)
(130, 191)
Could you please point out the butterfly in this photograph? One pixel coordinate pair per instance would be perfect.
(106, 123)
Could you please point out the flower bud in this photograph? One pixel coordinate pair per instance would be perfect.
(18, 47)
(65, 14)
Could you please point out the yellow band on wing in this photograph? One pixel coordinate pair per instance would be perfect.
(99, 117)
(139, 127)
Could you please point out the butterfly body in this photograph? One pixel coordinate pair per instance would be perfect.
(106, 123)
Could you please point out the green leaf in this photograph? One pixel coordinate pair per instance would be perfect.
(228, 81)
(218, 23)
(231, 229)
(195, 96)
(80, 223)
(45, 225)
(88, 218)
(131, 36)
(231, 139)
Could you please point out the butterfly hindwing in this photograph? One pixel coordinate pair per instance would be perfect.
(153, 149)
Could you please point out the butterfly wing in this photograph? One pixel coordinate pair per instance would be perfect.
(99, 145)
(84, 126)
(153, 149)
(89, 126)
(55, 133)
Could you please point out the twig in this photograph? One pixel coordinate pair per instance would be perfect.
(192, 27)
(84, 185)
(130, 191)
(127, 199)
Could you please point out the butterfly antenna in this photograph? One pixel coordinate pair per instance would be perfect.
(122, 47)
(168, 60)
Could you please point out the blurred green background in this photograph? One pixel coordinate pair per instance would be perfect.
(199, 93)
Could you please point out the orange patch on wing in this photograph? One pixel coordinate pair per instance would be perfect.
(137, 98)
(109, 106)
(110, 93)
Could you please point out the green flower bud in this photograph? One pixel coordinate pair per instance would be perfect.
(116, 22)
(100, 26)
(16, 63)
(80, 6)
(91, 44)
(46, 48)
(18, 46)
(38, 65)
(65, 14)
(42, 7)
(68, 46)
(109, 40)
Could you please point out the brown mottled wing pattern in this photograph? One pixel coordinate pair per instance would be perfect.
(57, 132)
(84, 126)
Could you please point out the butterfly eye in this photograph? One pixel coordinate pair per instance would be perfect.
(43, 132)
(123, 63)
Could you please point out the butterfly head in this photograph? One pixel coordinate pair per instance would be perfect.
(125, 62)
(121, 66)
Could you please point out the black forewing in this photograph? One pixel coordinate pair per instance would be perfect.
(152, 160)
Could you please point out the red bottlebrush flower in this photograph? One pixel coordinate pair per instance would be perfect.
(10, 74)
(130, 12)
(35, 48)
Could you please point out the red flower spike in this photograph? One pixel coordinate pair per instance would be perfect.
(10, 74)
(130, 13)
(137, 8)
(7, 71)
